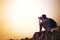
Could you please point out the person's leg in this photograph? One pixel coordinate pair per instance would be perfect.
(48, 29)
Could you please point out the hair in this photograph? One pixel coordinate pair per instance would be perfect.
(44, 16)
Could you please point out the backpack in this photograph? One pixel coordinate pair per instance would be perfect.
(53, 23)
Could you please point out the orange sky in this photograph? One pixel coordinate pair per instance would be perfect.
(19, 18)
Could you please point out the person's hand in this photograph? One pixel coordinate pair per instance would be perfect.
(39, 17)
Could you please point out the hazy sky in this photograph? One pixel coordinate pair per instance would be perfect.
(19, 18)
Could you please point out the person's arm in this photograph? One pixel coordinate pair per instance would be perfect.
(40, 28)
(40, 20)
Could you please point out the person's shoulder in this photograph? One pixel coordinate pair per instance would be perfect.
(46, 19)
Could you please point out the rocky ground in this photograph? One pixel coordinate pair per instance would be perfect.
(52, 35)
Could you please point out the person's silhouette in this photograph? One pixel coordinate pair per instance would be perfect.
(47, 23)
